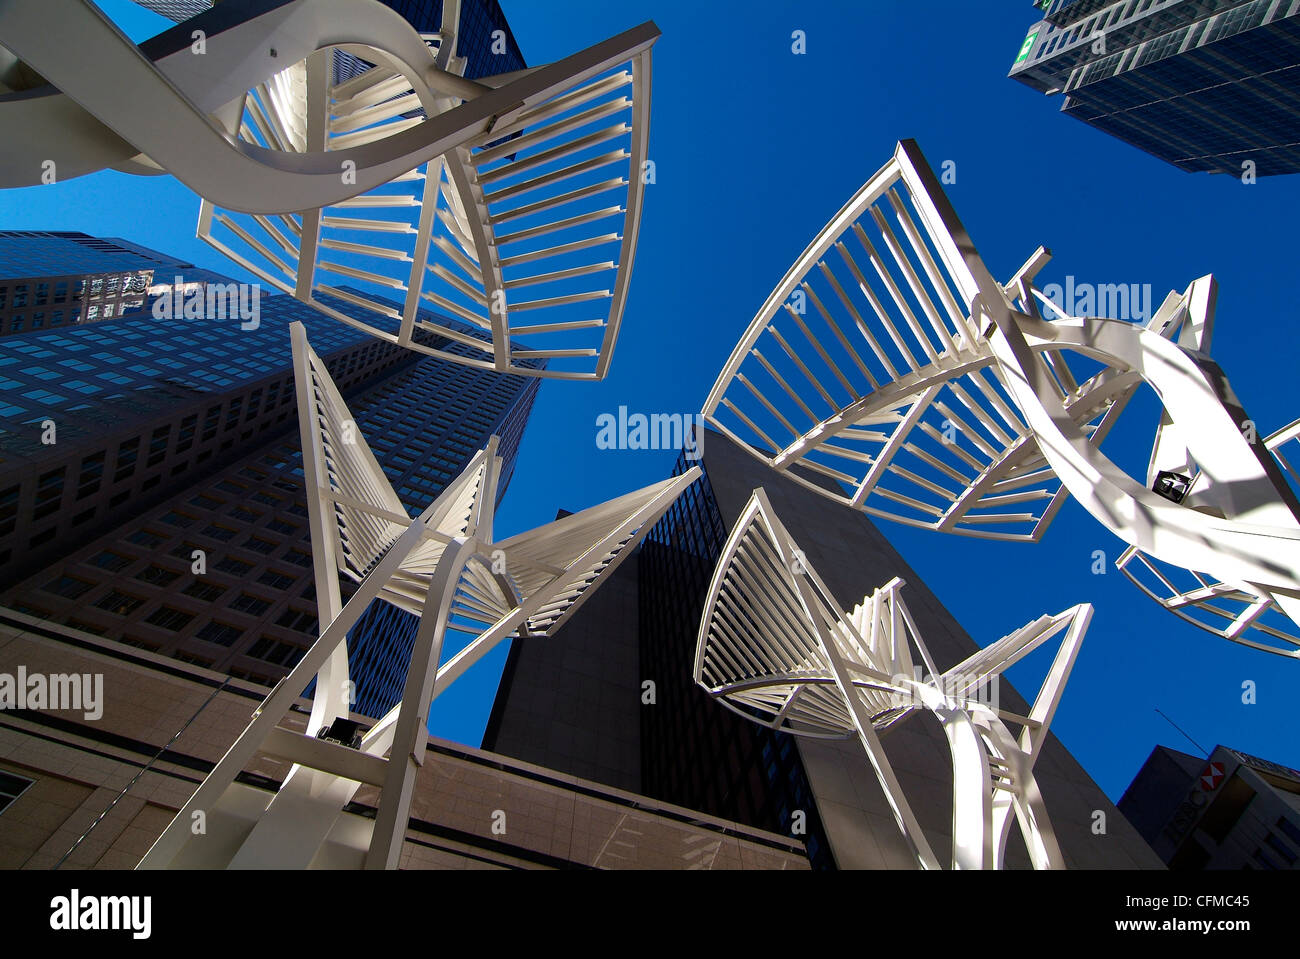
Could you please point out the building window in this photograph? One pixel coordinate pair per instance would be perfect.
(49, 491)
(185, 439)
(252, 605)
(92, 471)
(8, 510)
(223, 634)
(157, 575)
(41, 538)
(1262, 858)
(235, 567)
(276, 580)
(185, 657)
(143, 537)
(67, 586)
(127, 453)
(11, 787)
(204, 591)
(110, 561)
(297, 619)
(1281, 848)
(173, 620)
(281, 654)
(120, 604)
(257, 678)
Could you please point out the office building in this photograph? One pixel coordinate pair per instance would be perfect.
(101, 420)
(580, 704)
(1207, 85)
(215, 566)
(1228, 811)
(96, 793)
(52, 279)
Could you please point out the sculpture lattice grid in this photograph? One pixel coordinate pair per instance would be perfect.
(890, 372)
(775, 647)
(510, 202)
(443, 565)
(865, 363)
(528, 230)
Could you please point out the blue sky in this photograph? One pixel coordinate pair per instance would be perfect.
(755, 149)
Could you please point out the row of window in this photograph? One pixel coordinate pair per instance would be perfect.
(49, 492)
(1275, 843)
(18, 322)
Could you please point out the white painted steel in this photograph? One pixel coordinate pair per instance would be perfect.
(512, 203)
(889, 371)
(775, 647)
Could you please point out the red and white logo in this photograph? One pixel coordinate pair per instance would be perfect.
(1211, 777)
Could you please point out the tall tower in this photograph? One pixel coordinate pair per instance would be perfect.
(215, 568)
(101, 420)
(52, 279)
(1207, 85)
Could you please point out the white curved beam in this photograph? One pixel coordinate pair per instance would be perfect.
(531, 237)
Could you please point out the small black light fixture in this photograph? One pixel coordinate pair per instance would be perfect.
(1171, 485)
(345, 732)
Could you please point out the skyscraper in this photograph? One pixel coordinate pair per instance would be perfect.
(50, 279)
(1207, 85)
(100, 420)
(687, 749)
(215, 568)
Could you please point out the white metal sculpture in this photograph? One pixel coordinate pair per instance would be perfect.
(1236, 611)
(443, 565)
(775, 647)
(903, 380)
(511, 202)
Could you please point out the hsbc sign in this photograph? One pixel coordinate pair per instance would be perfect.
(1198, 797)
(1211, 777)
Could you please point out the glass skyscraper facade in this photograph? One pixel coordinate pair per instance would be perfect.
(577, 702)
(96, 420)
(1207, 85)
(190, 538)
(51, 279)
(693, 752)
